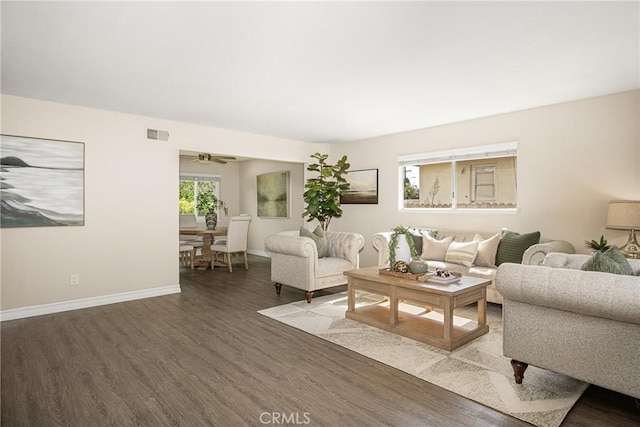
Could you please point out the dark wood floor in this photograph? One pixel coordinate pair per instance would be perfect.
(205, 357)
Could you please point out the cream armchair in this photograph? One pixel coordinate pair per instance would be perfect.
(295, 262)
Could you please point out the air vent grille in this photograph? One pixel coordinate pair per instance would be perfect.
(157, 135)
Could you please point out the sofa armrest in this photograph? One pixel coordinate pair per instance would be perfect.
(381, 244)
(535, 254)
(590, 293)
(289, 244)
(346, 246)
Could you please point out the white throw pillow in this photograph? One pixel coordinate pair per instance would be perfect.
(487, 249)
(462, 253)
(433, 249)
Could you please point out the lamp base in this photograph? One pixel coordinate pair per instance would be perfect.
(631, 249)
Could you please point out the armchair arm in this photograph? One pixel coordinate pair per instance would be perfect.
(536, 253)
(346, 246)
(290, 244)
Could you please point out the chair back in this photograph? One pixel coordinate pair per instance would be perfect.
(238, 233)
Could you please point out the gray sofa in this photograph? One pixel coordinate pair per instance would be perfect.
(534, 255)
(582, 324)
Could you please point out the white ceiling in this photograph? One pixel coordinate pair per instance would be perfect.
(319, 71)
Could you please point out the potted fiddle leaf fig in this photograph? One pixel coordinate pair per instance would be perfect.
(322, 194)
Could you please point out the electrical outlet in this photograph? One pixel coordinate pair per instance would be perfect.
(74, 280)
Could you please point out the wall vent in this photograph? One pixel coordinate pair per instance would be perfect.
(157, 135)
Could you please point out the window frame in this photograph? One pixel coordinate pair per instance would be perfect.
(216, 178)
(483, 154)
(474, 181)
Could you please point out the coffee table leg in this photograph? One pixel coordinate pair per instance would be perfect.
(448, 319)
(393, 306)
(482, 309)
(351, 296)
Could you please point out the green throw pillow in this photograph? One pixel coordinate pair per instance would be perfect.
(513, 245)
(610, 261)
(320, 239)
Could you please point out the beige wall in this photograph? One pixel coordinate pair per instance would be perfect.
(262, 227)
(572, 159)
(130, 240)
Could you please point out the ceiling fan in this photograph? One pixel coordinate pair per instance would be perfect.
(208, 158)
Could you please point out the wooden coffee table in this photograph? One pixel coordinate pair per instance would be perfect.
(385, 315)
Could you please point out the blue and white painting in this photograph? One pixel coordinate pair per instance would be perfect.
(41, 182)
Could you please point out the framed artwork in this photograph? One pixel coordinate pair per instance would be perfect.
(273, 195)
(363, 188)
(41, 182)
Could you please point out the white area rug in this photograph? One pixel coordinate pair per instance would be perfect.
(476, 370)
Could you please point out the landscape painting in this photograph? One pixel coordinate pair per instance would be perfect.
(273, 195)
(363, 188)
(41, 182)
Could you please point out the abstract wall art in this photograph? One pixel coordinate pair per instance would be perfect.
(273, 195)
(41, 182)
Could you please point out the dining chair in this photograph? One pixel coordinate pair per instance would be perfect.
(187, 255)
(236, 242)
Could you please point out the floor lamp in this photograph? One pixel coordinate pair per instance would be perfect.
(625, 215)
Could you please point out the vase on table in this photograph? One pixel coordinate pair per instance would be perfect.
(212, 220)
(418, 266)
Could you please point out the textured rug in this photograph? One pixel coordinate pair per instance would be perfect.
(477, 370)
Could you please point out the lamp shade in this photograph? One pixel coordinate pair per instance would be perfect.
(624, 215)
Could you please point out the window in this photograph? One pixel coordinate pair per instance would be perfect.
(473, 178)
(193, 187)
(484, 183)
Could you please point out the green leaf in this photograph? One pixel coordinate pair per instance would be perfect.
(322, 194)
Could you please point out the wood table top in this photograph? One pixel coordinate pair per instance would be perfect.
(220, 231)
(373, 273)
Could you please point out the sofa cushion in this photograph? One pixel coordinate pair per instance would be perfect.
(483, 272)
(321, 240)
(610, 261)
(462, 253)
(433, 249)
(331, 266)
(487, 249)
(513, 245)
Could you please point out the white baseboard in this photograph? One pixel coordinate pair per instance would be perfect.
(258, 253)
(57, 307)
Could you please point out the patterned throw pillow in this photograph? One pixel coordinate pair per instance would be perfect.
(462, 253)
(513, 245)
(435, 250)
(487, 249)
(610, 261)
(319, 237)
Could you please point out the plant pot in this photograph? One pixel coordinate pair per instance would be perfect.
(403, 253)
(212, 220)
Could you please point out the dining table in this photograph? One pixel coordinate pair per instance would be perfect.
(204, 261)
